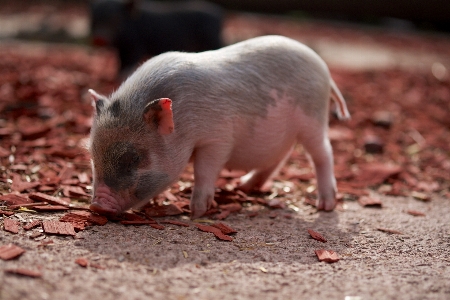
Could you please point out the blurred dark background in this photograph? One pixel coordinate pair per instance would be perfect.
(424, 14)
(429, 15)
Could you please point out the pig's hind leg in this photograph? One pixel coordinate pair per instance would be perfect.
(318, 146)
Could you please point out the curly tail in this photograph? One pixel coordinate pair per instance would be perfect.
(336, 95)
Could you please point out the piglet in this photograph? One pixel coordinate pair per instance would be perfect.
(240, 107)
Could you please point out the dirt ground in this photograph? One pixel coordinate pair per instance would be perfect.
(272, 255)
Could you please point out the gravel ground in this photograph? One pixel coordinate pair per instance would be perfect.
(268, 259)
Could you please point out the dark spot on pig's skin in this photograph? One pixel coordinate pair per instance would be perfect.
(151, 183)
(99, 106)
(115, 109)
(120, 162)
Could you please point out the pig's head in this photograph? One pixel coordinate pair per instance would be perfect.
(128, 150)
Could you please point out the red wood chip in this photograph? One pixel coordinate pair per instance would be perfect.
(162, 210)
(217, 232)
(375, 173)
(273, 214)
(50, 208)
(156, 226)
(24, 272)
(34, 132)
(223, 215)
(131, 217)
(82, 262)
(56, 227)
(174, 222)
(32, 224)
(276, 203)
(370, 201)
(346, 188)
(28, 205)
(36, 235)
(6, 213)
(97, 266)
(45, 243)
(252, 214)
(328, 256)
(11, 225)
(10, 251)
(74, 217)
(137, 222)
(232, 207)
(12, 199)
(317, 236)
(224, 228)
(50, 199)
(392, 231)
(311, 201)
(415, 213)
(4, 152)
(74, 191)
(20, 186)
(97, 219)
(78, 221)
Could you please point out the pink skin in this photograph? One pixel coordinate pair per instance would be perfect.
(106, 202)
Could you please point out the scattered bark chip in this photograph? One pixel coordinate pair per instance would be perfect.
(97, 266)
(10, 251)
(216, 231)
(32, 224)
(78, 221)
(50, 199)
(6, 213)
(222, 215)
(175, 222)
(131, 217)
(156, 226)
(97, 219)
(137, 222)
(24, 272)
(317, 236)
(12, 199)
(50, 208)
(224, 228)
(328, 256)
(415, 213)
(232, 207)
(392, 231)
(370, 201)
(11, 225)
(20, 186)
(163, 210)
(81, 261)
(56, 227)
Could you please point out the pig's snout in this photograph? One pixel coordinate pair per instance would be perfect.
(106, 202)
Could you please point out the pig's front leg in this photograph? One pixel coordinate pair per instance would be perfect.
(318, 146)
(208, 161)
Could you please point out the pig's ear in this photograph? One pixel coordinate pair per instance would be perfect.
(159, 112)
(98, 100)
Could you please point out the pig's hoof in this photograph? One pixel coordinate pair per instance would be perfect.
(197, 211)
(326, 205)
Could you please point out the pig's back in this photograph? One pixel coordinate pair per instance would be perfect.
(241, 76)
(244, 79)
